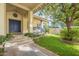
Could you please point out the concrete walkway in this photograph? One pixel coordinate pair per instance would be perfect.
(24, 46)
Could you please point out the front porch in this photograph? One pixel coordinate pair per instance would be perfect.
(18, 18)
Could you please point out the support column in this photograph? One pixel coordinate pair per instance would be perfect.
(42, 24)
(2, 19)
(30, 19)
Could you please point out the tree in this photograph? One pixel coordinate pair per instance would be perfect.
(65, 12)
(76, 23)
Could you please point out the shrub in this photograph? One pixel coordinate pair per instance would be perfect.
(1, 51)
(2, 39)
(46, 28)
(5, 38)
(73, 34)
(8, 35)
(28, 34)
(31, 35)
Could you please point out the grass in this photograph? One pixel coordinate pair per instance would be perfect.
(54, 44)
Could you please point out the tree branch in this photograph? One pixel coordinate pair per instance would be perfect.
(76, 18)
(63, 8)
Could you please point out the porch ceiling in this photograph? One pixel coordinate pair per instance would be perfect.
(10, 7)
(28, 6)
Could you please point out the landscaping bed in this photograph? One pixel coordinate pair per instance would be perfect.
(70, 42)
(3, 39)
(1, 51)
(54, 44)
(33, 35)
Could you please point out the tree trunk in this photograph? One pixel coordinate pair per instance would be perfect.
(69, 24)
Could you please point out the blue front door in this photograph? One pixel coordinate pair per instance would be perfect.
(14, 25)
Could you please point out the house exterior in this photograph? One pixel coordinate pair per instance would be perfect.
(18, 17)
(39, 24)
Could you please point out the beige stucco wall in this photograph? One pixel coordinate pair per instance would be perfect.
(25, 23)
(6, 15)
(22, 18)
(45, 22)
(10, 16)
(2, 19)
(35, 22)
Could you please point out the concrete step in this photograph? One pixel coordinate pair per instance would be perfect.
(20, 39)
(25, 42)
(22, 43)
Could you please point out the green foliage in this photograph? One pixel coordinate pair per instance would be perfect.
(5, 38)
(46, 28)
(31, 35)
(73, 34)
(1, 51)
(9, 35)
(64, 12)
(61, 11)
(76, 23)
(2, 39)
(54, 44)
(28, 34)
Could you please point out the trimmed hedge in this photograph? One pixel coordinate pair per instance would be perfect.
(31, 35)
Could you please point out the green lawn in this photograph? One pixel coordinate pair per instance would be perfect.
(54, 44)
